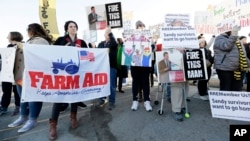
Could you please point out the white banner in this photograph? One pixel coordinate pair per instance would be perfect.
(7, 62)
(65, 74)
(179, 37)
(230, 105)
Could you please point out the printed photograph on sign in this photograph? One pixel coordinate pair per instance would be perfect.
(169, 64)
(96, 16)
(195, 64)
(177, 19)
(114, 15)
(137, 48)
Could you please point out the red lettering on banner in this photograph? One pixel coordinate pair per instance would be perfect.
(72, 83)
(245, 22)
(205, 29)
(99, 79)
(34, 77)
(88, 80)
(47, 81)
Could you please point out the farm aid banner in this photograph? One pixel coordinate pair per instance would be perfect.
(64, 74)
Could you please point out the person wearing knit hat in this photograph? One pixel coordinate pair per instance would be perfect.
(139, 25)
(229, 60)
(203, 84)
(140, 76)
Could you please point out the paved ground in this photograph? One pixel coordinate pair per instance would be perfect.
(122, 124)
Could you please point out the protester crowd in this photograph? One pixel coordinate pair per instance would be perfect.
(230, 59)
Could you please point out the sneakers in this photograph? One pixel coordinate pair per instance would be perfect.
(21, 120)
(178, 116)
(205, 97)
(3, 111)
(134, 106)
(16, 111)
(27, 126)
(147, 106)
(81, 105)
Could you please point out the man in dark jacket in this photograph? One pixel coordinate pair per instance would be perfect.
(111, 44)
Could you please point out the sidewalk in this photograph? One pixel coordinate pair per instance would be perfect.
(122, 124)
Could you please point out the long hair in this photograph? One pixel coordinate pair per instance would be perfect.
(36, 30)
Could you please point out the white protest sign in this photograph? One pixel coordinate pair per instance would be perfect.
(65, 74)
(230, 105)
(177, 19)
(7, 62)
(179, 37)
(203, 21)
(137, 48)
(226, 25)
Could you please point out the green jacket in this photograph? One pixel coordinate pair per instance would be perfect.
(119, 56)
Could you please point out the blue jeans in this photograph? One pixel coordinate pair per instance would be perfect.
(112, 86)
(167, 89)
(31, 109)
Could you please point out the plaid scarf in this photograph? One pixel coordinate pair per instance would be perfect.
(242, 61)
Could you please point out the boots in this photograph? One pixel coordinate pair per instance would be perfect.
(52, 130)
(73, 120)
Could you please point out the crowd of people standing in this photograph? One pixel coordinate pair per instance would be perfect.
(231, 60)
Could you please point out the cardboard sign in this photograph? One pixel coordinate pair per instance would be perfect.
(137, 48)
(114, 14)
(195, 64)
(230, 105)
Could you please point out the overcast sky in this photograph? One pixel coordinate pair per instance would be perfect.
(17, 14)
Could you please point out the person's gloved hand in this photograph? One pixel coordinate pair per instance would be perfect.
(213, 36)
(235, 30)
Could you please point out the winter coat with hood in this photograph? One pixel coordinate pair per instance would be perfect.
(226, 54)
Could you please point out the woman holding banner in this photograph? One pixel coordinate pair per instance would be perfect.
(29, 110)
(70, 39)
